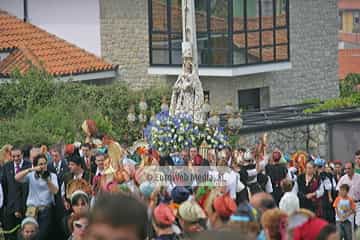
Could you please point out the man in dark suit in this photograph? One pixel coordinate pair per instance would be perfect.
(15, 193)
(76, 171)
(88, 158)
(59, 166)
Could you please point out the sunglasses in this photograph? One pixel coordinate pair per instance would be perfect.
(79, 225)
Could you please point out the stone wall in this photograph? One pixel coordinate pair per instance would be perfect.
(313, 139)
(313, 54)
(125, 40)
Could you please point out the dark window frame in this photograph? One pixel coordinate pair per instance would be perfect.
(250, 92)
(229, 50)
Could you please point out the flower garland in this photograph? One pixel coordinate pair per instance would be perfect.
(168, 134)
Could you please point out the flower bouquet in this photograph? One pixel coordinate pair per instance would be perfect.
(168, 134)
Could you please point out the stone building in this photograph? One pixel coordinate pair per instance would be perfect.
(253, 53)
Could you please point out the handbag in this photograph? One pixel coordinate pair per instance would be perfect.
(32, 211)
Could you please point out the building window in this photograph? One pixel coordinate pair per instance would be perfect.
(207, 95)
(249, 99)
(356, 21)
(341, 20)
(229, 32)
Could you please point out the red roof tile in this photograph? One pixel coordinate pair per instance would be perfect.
(349, 4)
(34, 46)
(349, 62)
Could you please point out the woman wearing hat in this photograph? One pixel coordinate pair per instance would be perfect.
(163, 219)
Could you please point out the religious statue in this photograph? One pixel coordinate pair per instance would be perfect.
(188, 96)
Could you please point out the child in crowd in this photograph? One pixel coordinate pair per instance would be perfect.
(289, 201)
(29, 229)
(345, 209)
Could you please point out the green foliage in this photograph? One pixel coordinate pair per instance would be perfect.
(349, 96)
(348, 85)
(36, 109)
(336, 103)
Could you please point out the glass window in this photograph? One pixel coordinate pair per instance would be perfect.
(176, 39)
(219, 57)
(356, 17)
(159, 13)
(281, 6)
(160, 56)
(253, 39)
(282, 53)
(219, 40)
(176, 16)
(267, 38)
(267, 54)
(219, 16)
(253, 55)
(176, 56)
(281, 36)
(256, 35)
(239, 50)
(340, 20)
(267, 14)
(238, 15)
(249, 99)
(160, 41)
(253, 21)
(201, 15)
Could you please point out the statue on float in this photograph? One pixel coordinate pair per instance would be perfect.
(188, 96)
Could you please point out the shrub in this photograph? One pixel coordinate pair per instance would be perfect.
(36, 109)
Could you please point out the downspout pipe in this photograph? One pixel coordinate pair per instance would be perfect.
(26, 17)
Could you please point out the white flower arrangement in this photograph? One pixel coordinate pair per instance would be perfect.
(169, 134)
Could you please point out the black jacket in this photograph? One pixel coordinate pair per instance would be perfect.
(63, 170)
(15, 193)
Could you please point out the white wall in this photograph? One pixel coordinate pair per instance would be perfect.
(77, 21)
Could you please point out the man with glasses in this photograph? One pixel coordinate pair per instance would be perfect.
(353, 180)
(14, 192)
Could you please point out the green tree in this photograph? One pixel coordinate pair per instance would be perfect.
(36, 109)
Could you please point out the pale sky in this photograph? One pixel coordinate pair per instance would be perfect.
(77, 21)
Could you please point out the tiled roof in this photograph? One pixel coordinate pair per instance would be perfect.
(349, 4)
(219, 24)
(349, 37)
(349, 62)
(29, 45)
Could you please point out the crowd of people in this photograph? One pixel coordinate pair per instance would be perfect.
(91, 191)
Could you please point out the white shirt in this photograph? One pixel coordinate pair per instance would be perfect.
(289, 203)
(58, 166)
(233, 183)
(98, 171)
(354, 184)
(39, 192)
